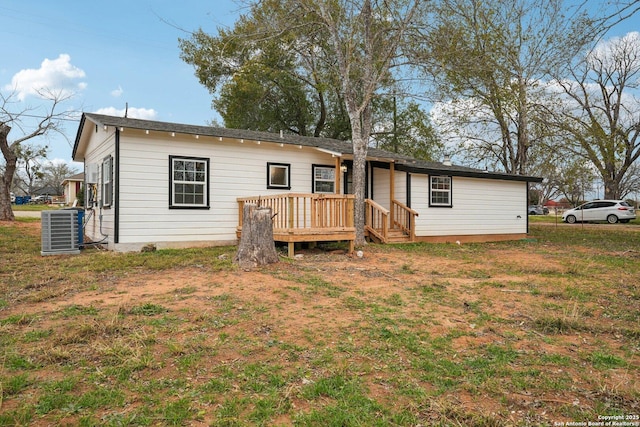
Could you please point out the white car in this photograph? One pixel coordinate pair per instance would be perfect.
(611, 211)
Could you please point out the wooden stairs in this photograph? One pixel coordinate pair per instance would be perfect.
(394, 235)
(397, 236)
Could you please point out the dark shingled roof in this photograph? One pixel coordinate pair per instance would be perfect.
(402, 162)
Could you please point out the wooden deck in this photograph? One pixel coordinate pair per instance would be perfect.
(307, 217)
(301, 217)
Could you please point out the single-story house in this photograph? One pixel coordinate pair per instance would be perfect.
(71, 188)
(177, 185)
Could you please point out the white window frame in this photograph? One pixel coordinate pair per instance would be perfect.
(107, 181)
(196, 176)
(271, 167)
(440, 185)
(324, 174)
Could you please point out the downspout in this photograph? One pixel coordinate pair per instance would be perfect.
(526, 207)
(116, 190)
(408, 183)
(392, 189)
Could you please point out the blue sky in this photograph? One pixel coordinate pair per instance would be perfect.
(113, 53)
(109, 54)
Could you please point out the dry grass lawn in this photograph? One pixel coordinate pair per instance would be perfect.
(536, 332)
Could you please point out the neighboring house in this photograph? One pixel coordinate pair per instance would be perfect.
(48, 190)
(71, 188)
(176, 185)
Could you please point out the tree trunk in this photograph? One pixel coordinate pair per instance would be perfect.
(256, 241)
(359, 185)
(6, 213)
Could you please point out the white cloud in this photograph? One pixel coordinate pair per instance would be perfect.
(133, 113)
(615, 47)
(56, 76)
(117, 93)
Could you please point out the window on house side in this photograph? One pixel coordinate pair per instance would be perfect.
(189, 182)
(324, 179)
(107, 181)
(440, 191)
(278, 175)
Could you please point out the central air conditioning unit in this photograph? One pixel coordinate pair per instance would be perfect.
(60, 232)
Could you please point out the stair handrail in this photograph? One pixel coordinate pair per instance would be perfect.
(404, 218)
(377, 220)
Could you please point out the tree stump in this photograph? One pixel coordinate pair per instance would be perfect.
(256, 245)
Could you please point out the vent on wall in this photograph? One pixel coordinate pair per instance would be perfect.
(60, 232)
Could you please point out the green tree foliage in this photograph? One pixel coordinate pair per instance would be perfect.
(275, 71)
(407, 131)
(339, 53)
(271, 72)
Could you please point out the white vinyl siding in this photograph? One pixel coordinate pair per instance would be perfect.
(479, 206)
(381, 184)
(235, 170)
(99, 222)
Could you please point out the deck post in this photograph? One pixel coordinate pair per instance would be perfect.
(291, 211)
(240, 213)
(338, 176)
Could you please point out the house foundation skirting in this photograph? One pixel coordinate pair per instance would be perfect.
(137, 247)
(471, 238)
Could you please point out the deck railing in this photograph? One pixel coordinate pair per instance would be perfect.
(301, 217)
(376, 220)
(404, 218)
(294, 211)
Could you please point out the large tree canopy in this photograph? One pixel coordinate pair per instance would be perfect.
(601, 115)
(486, 60)
(275, 70)
(271, 72)
(313, 67)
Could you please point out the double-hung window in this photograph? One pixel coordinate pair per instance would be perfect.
(189, 182)
(279, 176)
(440, 191)
(107, 181)
(324, 179)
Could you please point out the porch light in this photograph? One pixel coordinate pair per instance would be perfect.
(147, 131)
(173, 134)
(343, 168)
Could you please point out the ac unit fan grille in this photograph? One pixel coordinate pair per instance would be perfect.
(60, 232)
